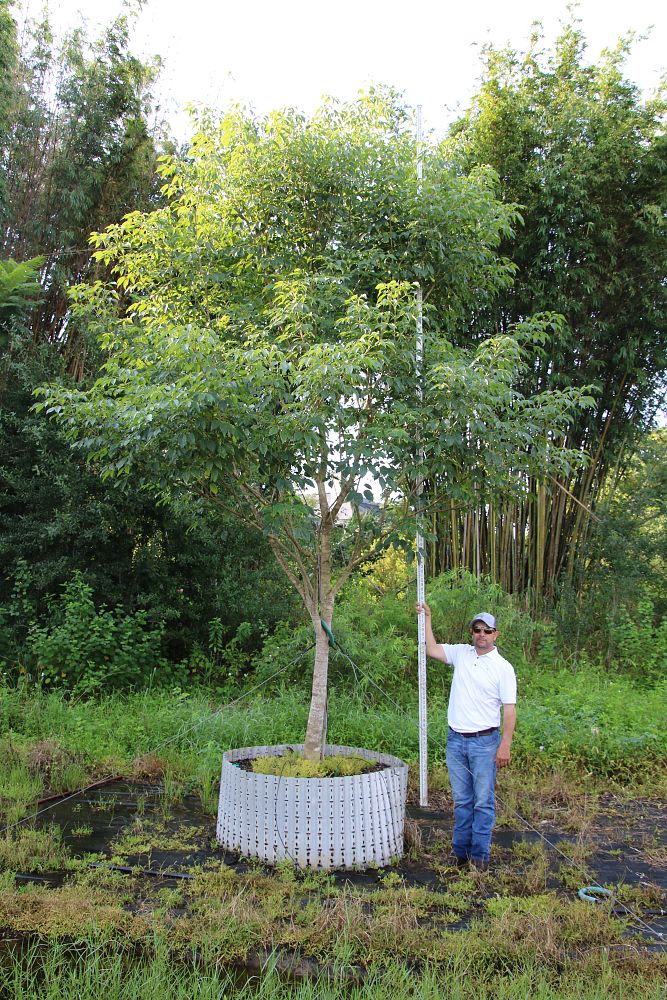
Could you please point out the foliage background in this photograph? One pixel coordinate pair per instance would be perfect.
(179, 598)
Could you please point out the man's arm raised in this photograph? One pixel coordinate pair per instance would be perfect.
(433, 648)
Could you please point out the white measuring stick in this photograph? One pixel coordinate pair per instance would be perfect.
(421, 595)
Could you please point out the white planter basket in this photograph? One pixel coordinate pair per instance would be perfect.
(349, 822)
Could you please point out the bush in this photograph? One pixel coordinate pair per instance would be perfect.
(636, 644)
(221, 665)
(379, 634)
(454, 599)
(88, 650)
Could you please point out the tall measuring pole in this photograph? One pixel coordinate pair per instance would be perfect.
(421, 592)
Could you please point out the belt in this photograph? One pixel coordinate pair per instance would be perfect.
(482, 732)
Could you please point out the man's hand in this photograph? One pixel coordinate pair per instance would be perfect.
(423, 607)
(503, 755)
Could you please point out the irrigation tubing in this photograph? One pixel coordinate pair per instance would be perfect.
(154, 872)
(619, 905)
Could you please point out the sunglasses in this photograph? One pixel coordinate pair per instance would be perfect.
(486, 631)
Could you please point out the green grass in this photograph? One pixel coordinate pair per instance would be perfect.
(589, 722)
(19, 787)
(90, 971)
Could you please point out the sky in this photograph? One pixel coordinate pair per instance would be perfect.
(272, 54)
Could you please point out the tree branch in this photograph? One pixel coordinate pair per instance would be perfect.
(304, 591)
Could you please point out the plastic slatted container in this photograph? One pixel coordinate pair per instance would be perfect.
(325, 823)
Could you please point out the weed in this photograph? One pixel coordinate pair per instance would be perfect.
(144, 836)
(149, 766)
(322, 882)
(173, 788)
(25, 849)
(545, 927)
(645, 895)
(168, 900)
(579, 850)
(7, 880)
(573, 877)
(105, 882)
(70, 911)
(71, 777)
(18, 788)
(535, 863)
(294, 765)
(392, 880)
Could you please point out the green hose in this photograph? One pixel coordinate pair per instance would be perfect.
(332, 641)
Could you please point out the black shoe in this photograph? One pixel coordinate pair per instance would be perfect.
(480, 864)
(461, 862)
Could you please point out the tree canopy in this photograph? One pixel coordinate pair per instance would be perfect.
(259, 338)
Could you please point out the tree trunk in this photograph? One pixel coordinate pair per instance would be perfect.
(317, 717)
(323, 611)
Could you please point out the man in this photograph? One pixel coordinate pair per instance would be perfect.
(483, 681)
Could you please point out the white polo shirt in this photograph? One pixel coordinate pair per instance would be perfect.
(480, 685)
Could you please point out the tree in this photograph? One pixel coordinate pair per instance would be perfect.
(260, 334)
(8, 53)
(582, 154)
(78, 149)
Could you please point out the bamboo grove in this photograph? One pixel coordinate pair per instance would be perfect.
(582, 154)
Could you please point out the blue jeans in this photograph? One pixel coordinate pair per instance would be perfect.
(472, 774)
